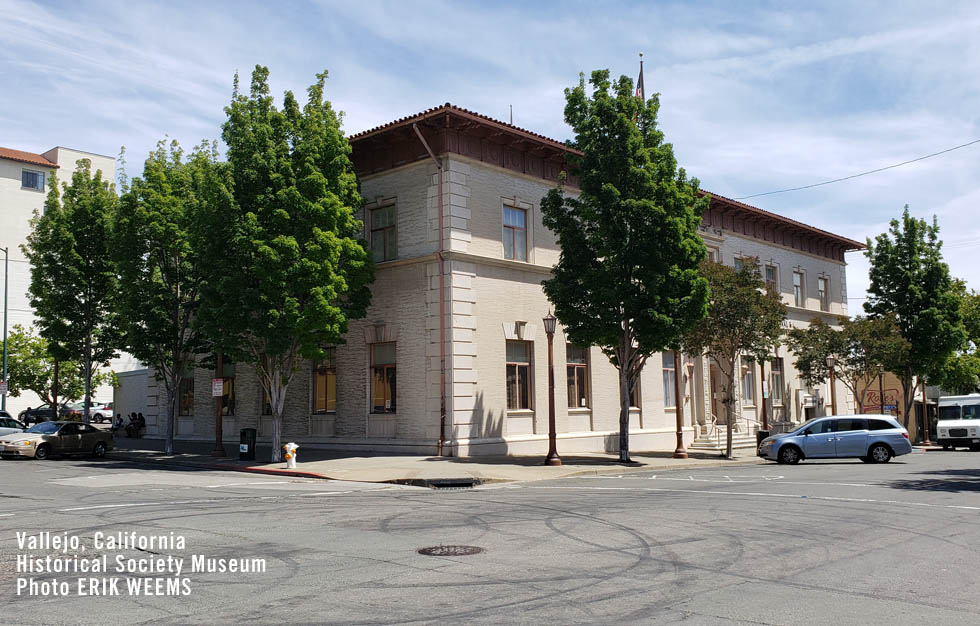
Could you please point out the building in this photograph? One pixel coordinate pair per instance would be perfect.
(24, 178)
(452, 355)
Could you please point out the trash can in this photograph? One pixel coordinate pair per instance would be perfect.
(759, 436)
(246, 445)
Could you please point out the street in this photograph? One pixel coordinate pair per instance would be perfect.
(829, 543)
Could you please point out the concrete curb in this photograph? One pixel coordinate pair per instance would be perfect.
(428, 482)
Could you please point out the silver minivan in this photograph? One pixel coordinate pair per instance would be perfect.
(871, 438)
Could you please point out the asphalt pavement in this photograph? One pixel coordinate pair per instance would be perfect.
(821, 543)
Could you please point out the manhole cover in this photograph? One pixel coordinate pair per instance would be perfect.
(450, 550)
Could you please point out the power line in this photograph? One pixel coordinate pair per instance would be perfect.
(880, 169)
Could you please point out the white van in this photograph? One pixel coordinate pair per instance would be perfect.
(959, 421)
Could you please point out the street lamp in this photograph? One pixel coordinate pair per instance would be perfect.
(679, 451)
(549, 329)
(831, 361)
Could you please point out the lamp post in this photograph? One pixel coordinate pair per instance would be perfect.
(549, 329)
(679, 451)
(219, 444)
(6, 280)
(831, 361)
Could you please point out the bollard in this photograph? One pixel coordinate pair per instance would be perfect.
(290, 449)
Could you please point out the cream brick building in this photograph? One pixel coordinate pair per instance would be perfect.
(454, 330)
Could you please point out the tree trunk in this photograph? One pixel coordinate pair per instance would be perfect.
(86, 413)
(277, 397)
(907, 391)
(168, 444)
(624, 414)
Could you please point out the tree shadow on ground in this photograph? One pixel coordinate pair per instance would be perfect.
(949, 480)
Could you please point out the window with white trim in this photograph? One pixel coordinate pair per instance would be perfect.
(577, 370)
(519, 396)
(799, 295)
(515, 233)
(31, 179)
(670, 397)
(748, 381)
(823, 293)
(383, 377)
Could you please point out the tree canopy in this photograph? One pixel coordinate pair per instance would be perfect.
(72, 275)
(627, 278)
(287, 267)
(910, 280)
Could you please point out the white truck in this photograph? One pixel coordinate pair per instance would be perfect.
(959, 422)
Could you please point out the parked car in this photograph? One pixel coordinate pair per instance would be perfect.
(43, 413)
(101, 412)
(10, 426)
(42, 440)
(871, 438)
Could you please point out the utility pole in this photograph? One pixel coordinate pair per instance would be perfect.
(6, 281)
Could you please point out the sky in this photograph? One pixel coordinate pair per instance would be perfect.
(755, 96)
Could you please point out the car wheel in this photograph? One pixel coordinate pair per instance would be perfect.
(99, 451)
(43, 452)
(789, 455)
(879, 453)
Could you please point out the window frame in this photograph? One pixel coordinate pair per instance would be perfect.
(228, 390)
(41, 178)
(771, 285)
(529, 377)
(774, 377)
(511, 231)
(823, 294)
(389, 233)
(747, 381)
(670, 379)
(329, 367)
(799, 291)
(389, 381)
(185, 391)
(581, 378)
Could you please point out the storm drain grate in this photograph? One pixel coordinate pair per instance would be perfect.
(450, 550)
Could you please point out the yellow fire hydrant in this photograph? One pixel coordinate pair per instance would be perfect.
(290, 449)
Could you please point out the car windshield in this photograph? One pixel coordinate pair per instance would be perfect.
(971, 412)
(949, 412)
(44, 428)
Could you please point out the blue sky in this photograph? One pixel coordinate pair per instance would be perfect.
(756, 96)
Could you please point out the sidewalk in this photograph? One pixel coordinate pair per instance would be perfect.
(413, 470)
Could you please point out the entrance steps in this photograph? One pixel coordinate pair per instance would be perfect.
(717, 441)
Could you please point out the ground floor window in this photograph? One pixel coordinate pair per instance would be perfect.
(383, 378)
(635, 394)
(748, 381)
(670, 399)
(228, 394)
(185, 395)
(777, 382)
(577, 359)
(518, 375)
(325, 383)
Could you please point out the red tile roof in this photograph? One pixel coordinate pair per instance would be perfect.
(25, 157)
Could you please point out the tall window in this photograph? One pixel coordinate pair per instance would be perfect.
(577, 359)
(518, 375)
(384, 233)
(515, 234)
(798, 295)
(670, 398)
(185, 395)
(635, 395)
(383, 378)
(772, 284)
(714, 255)
(30, 179)
(228, 396)
(739, 264)
(325, 383)
(748, 380)
(777, 382)
(823, 293)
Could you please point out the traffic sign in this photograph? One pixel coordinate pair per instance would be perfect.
(217, 387)
(3, 387)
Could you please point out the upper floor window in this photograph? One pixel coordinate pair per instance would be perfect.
(515, 234)
(577, 359)
(518, 375)
(29, 179)
(714, 255)
(384, 233)
(772, 283)
(799, 297)
(325, 383)
(823, 293)
(670, 398)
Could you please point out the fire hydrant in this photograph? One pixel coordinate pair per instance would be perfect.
(290, 449)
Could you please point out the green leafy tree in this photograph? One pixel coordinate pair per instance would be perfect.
(744, 318)
(72, 275)
(910, 280)
(159, 285)
(961, 372)
(285, 267)
(627, 279)
(31, 368)
(860, 349)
